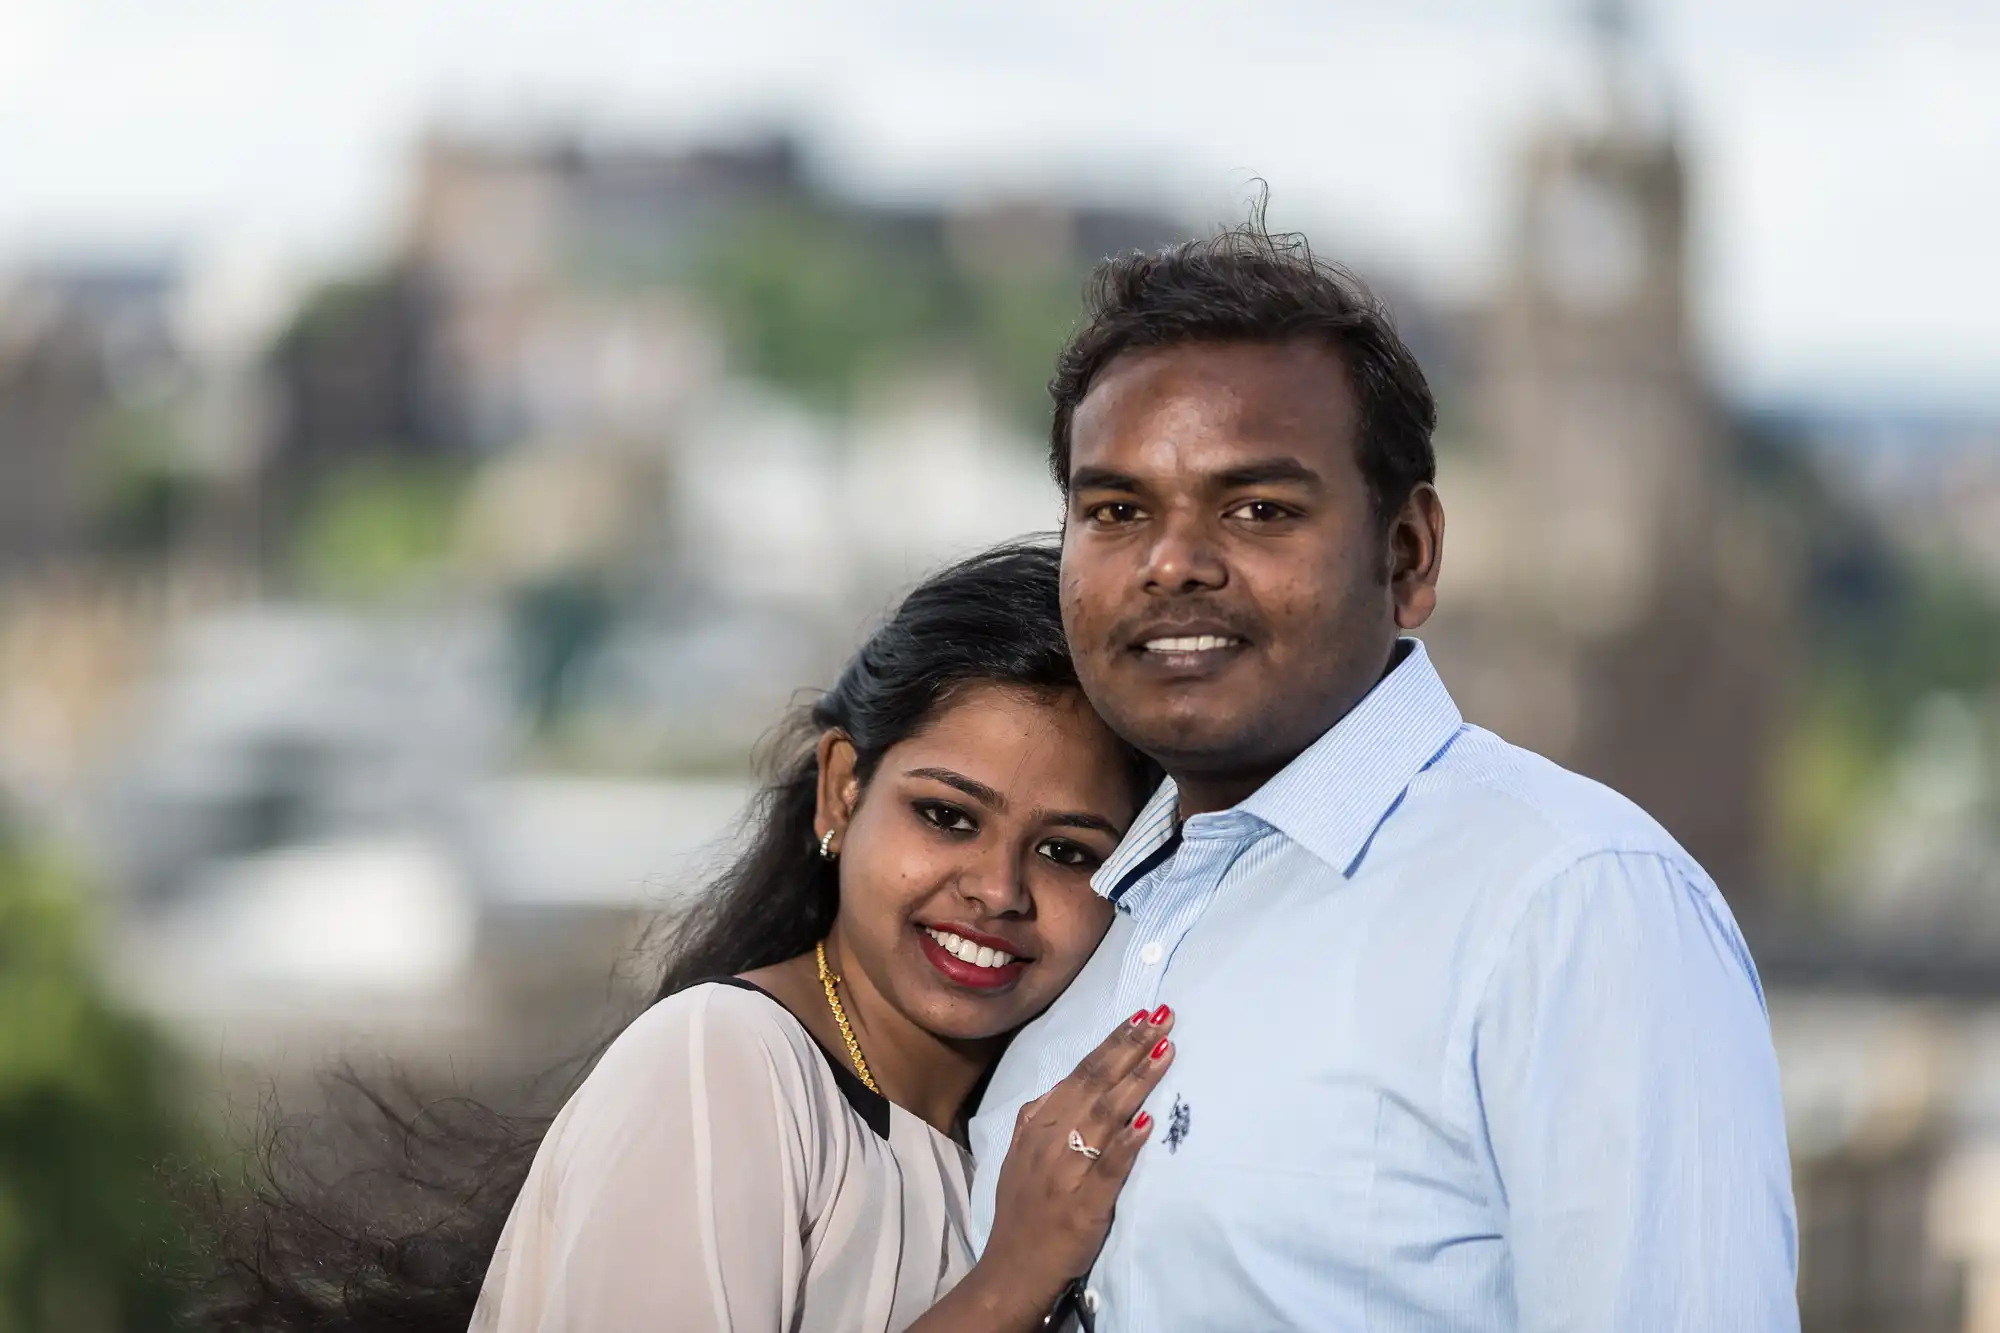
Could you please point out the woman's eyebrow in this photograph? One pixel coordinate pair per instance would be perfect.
(978, 791)
(992, 799)
(1082, 819)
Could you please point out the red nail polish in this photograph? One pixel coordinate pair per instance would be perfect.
(1139, 1018)
(1140, 1121)
(1160, 1015)
(1161, 1049)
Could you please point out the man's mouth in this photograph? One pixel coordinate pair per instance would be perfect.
(1191, 643)
(1185, 652)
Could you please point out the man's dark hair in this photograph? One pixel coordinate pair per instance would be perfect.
(1248, 285)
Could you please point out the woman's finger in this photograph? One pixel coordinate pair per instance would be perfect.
(1120, 1149)
(1116, 1057)
(1024, 1119)
(1115, 1104)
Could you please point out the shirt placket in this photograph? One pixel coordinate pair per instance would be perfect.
(1164, 908)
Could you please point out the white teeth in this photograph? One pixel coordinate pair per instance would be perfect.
(1193, 643)
(965, 950)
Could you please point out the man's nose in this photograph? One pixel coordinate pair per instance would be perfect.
(1183, 558)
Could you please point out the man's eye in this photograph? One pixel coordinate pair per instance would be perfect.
(1259, 511)
(1066, 853)
(1112, 511)
(947, 817)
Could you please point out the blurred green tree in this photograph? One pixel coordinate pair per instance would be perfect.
(90, 1241)
(146, 492)
(375, 529)
(824, 302)
(1888, 629)
(818, 304)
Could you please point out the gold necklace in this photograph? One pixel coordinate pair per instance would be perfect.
(829, 980)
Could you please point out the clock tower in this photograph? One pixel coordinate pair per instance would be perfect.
(1621, 613)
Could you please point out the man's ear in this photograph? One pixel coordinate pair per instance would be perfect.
(839, 787)
(1416, 555)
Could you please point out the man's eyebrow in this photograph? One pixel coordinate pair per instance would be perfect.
(1261, 472)
(1088, 478)
(1266, 472)
(978, 791)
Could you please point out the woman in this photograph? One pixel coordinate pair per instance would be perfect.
(777, 1143)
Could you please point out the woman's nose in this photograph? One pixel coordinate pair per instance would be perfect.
(996, 883)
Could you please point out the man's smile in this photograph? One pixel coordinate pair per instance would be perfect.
(1184, 648)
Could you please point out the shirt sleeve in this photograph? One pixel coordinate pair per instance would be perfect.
(673, 1190)
(1623, 1063)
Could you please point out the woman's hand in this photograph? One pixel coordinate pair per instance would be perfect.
(1053, 1205)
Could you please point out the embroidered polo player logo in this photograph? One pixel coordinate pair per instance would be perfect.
(1177, 1125)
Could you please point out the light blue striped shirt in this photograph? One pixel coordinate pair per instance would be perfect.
(1465, 1042)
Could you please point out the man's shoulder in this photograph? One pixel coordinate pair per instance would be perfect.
(1546, 815)
(1538, 839)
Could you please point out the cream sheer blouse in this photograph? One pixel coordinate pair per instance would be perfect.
(719, 1170)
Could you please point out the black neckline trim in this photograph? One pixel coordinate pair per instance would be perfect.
(870, 1105)
(1147, 866)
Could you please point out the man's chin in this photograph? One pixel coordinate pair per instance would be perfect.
(1187, 740)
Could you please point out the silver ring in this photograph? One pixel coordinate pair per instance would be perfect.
(1076, 1144)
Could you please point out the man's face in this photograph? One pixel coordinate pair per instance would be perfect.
(1227, 589)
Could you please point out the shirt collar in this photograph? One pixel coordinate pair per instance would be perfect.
(1334, 796)
(1149, 832)
(1331, 799)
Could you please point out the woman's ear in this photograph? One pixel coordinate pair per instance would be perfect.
(839, 787)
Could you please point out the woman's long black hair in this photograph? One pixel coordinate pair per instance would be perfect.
(400, 1241)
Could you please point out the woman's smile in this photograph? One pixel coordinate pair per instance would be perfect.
(969, 959)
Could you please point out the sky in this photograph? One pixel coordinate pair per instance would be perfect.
(1845, 155)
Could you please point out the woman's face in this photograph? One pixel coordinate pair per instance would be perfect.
(965, 865)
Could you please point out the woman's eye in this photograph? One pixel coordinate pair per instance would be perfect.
(947, 817)
(1258, 511)
(1065, 853)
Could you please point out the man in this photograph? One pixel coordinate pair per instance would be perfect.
(1539, 1092)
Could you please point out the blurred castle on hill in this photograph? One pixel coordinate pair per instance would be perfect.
(558, 290)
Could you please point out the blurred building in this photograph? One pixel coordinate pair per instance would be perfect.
(356, 382)
(74, 344)
(565, 276)
(1931, 478)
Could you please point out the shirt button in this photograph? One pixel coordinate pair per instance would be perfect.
(1090, 1299)
(1153, 953)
